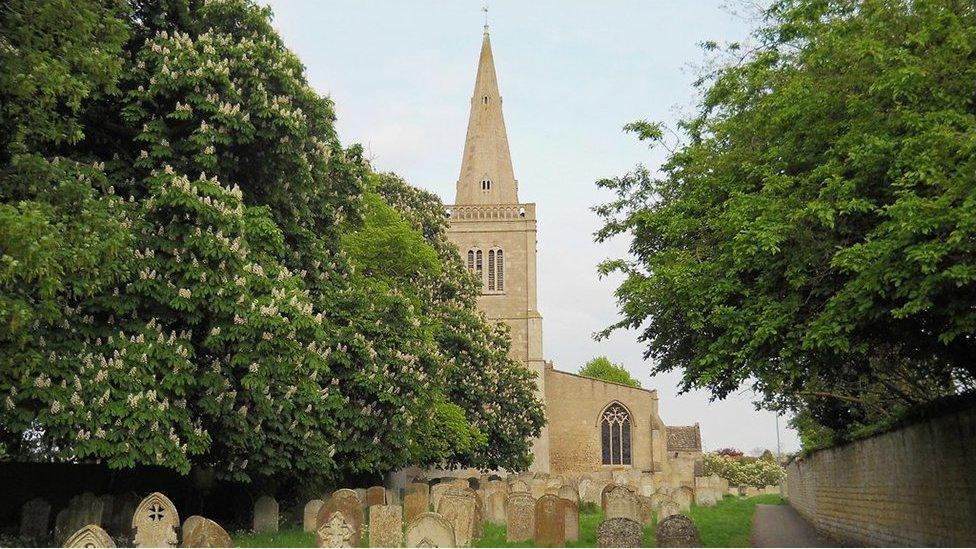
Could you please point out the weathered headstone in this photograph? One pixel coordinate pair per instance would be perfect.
(310, 514)
(385, 525)
(124, 508)
(415, 502)
(375, 495)
(666, 508)
(106, 504)
(361, 495)
(91, 535)
(155, 522)
(61, 531)
(677, 531)
(345, 502)
(204, 532)
(495, 496)
(537, 486)
(335, 531)
(266, 514)
(430, 530)
(604, 493)
(619, 532)
(459, 507)
(568, 492)
(518, 485)
(622, 503)
(645, 508)
(188, 525)
(550, 522)
(683, 496)
(571, 513)
(437, 491)
(520, 516)
(34, 518)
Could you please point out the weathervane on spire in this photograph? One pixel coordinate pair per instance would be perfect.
(484, 8)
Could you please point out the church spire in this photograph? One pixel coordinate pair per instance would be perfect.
(486, 176)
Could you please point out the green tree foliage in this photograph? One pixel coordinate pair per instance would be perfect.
(814, 234)
(744, 471)
(601, 368)
(193, 271)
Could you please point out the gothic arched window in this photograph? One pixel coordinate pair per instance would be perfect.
(477, 263)
(500, 271)
(470, 260)
(615, 434)
(491, 270)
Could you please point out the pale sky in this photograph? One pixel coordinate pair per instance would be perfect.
(571, 74)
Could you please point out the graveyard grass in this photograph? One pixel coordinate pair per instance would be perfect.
(727, 524)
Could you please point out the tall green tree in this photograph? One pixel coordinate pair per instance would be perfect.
(812, 234)
(601, 368)
(192, 272)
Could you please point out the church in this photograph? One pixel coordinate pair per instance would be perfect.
(592, 425)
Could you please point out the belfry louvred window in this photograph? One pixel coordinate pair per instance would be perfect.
(470, 260)
(477, 262)
(615, 435)
(491, 270)
(500, 271)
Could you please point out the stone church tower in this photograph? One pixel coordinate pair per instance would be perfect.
(495, 233)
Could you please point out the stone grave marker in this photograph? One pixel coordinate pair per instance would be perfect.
(91, 535)
(106, 513)
(375, 495)
(124, 508)
(677, 531)
(430, 530)
(335, 531)
(61, 532)
(188, 525)
(550, 522)
(619, 532)
(568, 492)
(495, 496)
(571, 508)
(310, 514)
(622, 503)
(266, 514)
(415, 503)
(666, 508)
(34, 518)
(518, 485)
(437, 491)
(155, 522)
(683, 496)
(346, 503)
(204, 532)
(385, 525)
(645, 508)
(520, 516)
(459, 507)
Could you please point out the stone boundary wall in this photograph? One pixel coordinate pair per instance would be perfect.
(915, 486)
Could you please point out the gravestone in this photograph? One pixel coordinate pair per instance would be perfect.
(361, 494)
(204, 532)
(550, 522)
(266, 514)
(375, 495)
(61, 531)
(622, 503)
(677, 531)
(346, 503)
(106, 515)
(619, 532)
(335, 531)
(518, 485)
(430, 530)
(459, 507)
(82, 510)
(91, 535)
(495, 496)
(437, 491)
(571, 508)
(683, 496)
(415, 502)
(645, 508)
(34, 518)
(537, 486)
(666, 508)
(155, 522)
(310, 514)
(385, 525)
(188, 525)
(520, 516)
(568, 492)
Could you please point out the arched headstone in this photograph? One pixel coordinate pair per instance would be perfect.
(619, 532)
(345, 502)
(155, 522)
(266, 514)
(430, 530)
(91, 535)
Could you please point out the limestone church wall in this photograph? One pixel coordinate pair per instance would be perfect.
(574, 409)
